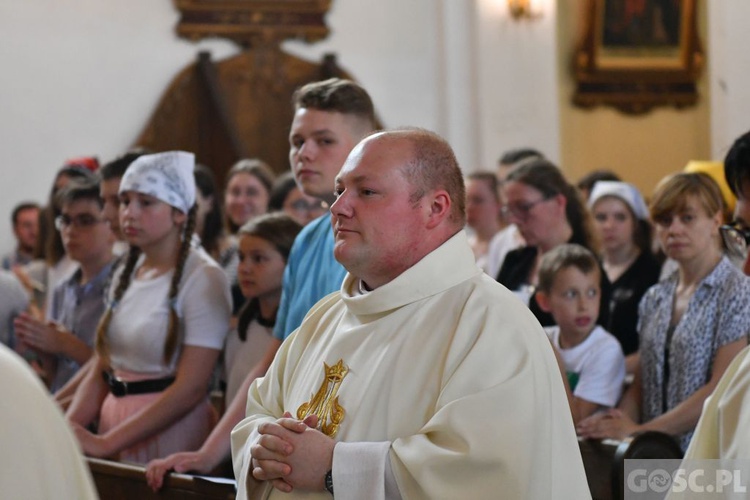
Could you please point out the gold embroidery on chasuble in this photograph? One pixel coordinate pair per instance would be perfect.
(325, 402)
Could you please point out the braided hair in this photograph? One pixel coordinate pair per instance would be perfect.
(174, 321)
(126, 277)
(101, 344)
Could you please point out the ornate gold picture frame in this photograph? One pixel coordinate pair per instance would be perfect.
(638, 54)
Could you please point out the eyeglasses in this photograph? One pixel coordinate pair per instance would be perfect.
(736, 239)
(521, 210)
(303, 206)
(83, 221)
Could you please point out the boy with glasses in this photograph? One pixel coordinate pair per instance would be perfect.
(64, 343)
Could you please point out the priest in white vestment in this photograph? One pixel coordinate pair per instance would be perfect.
(423, 377)
(41, 458)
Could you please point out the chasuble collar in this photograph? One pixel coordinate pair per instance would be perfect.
(445, 267)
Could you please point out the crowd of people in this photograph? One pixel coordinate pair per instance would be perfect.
(363, 318)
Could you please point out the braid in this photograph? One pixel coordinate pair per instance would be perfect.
(174, 321)
(123, 282)
(249, 311)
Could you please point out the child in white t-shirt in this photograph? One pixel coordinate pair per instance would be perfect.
(593, 359)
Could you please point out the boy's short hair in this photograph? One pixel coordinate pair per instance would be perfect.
(562, 257)
(337, 95)
(116, 168)
(77, 190)
(737, 164)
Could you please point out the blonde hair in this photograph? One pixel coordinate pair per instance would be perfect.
(171, 342)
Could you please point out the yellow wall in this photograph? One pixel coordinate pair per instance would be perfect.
(641, 149)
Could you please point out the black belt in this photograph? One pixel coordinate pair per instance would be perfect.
(120, 388)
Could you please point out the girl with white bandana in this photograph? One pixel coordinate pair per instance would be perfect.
(166, 319)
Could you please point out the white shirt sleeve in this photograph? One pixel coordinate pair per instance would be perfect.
(363, 471)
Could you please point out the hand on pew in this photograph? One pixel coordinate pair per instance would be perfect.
(188, 461)
(613, 424)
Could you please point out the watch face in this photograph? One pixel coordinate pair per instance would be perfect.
(329, 481)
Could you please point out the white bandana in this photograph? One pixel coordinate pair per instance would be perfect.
(622, 190)
(165, 176)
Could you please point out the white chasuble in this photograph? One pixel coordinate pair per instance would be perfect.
(445, 368)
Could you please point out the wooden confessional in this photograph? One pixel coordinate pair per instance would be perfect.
(239, 107)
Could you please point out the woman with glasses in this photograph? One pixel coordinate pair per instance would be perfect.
(548, 212)
(691, 325)
(621, 221)
(286, 196)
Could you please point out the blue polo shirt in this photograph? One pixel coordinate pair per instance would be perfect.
(311, 273)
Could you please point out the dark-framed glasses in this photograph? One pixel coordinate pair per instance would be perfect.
(736, 239)
(302, 205)
(520, 210)
(82, 221)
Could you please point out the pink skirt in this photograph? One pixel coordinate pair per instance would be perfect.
(186, 434)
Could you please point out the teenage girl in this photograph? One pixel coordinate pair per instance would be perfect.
(264, 246)
(164, 326)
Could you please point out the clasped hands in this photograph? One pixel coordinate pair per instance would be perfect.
(38, 335)
(292, 454)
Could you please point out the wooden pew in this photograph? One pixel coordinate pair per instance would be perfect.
(604, 461)
(121, 481)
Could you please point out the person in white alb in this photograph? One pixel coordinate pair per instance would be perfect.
(422, 377)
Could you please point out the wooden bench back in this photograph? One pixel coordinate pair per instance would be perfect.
(604, 461)
(121, 481)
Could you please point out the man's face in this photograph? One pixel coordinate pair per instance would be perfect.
(26, 228)
(376, 226)
(319, 142)
(111, 212)
(85, 234)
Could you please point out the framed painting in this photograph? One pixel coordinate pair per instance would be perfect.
(638, 54)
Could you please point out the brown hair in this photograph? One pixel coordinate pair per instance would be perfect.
(170, 345)
(337, 95)
(258, 169)
(488, 178)
(562, 257)
(278, 229)
(672, 194)
(546, 178)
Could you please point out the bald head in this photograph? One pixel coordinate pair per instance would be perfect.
(400, 195)
(431, 165)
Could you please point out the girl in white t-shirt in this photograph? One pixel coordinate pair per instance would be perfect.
(264, 246)
(164, 327)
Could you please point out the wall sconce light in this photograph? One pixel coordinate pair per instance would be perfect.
(521, 9)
